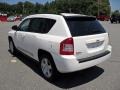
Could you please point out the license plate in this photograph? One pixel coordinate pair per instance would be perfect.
(95, 44)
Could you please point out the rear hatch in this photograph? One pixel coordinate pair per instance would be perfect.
(90, 38)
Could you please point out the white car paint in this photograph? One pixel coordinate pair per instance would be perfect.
(29, 43)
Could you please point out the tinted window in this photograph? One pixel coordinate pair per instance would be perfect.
(36, 25)
(24, 26)
(41, 25)
(48, 25)
(80, 26)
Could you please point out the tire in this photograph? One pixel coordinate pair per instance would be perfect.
(47, 67)
(112, 22)
(12, 47)
(119, 21)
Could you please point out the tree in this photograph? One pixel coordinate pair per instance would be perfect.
(89, 7)
(116, 13)
(38, 8)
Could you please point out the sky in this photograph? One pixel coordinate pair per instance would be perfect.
(115, 4)
(15, 1)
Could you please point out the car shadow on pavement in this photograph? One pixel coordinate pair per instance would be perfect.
(74, 79)
(65, 81)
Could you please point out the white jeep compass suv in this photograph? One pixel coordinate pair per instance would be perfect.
(63, 43)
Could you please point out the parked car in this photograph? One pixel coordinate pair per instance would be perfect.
(17, 18)
(61, 43)
(103, 18)
(115, 19)
(3, 17)
(13, 18)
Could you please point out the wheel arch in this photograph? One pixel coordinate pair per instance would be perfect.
(42, 52)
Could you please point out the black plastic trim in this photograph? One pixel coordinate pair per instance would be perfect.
(94, 57)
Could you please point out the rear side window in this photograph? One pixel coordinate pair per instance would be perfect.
(48, 25)
(81, 26)
(41, 25)
(36, 25)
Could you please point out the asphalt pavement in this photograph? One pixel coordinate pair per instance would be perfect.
(21, 73)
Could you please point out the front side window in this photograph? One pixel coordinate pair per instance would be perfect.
(81, 26)
(24, 26)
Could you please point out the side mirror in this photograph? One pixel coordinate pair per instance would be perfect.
(15, 27)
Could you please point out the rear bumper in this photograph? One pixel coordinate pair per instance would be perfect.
(67, 64)
(94, 57)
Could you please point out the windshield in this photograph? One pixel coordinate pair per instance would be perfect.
(80, 26)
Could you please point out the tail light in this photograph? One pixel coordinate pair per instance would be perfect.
(67, 47)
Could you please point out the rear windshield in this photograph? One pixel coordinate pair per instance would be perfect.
(80, 26)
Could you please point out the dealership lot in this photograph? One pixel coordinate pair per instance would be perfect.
(21, 72)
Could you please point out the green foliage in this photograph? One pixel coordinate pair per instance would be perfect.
(116, 13)
(89, 7)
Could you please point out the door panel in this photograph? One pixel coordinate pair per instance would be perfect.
(21, 33)
(28, 43)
